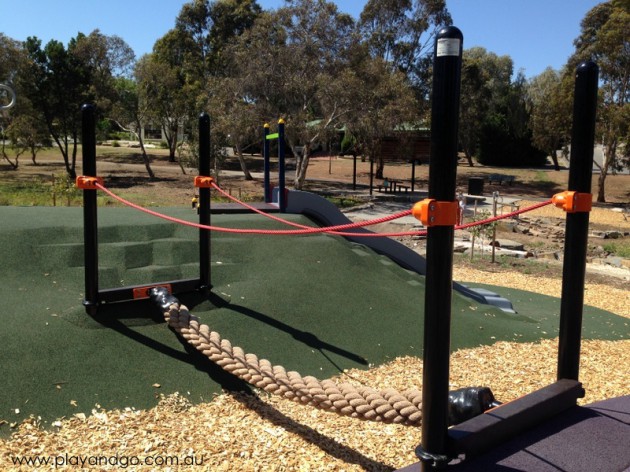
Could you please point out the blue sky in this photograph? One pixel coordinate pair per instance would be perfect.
(534, 33)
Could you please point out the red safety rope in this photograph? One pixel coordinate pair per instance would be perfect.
(334, 230)
(507, 215)
(297, 225)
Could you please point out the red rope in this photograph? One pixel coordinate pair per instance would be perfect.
(336, 230)
(303, 230)
(507, 215)
(297, 225)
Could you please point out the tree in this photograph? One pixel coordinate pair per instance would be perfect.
(383, 101)
(131, 111)
(235, 119)
(605, 39)
(163, 96)
(475, 100)
(28, 133)
(402, 33)
(59, 80)
(290, 62)
(550, 112)
(12, 60)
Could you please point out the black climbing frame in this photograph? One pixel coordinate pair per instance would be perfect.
(94, 296)
(440, 444)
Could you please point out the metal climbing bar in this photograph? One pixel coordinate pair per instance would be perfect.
(576, 226)
(204, 200)
(90, 183)
(282, 193)
(90, 220)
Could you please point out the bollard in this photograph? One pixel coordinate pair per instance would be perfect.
(447, 60)
(576, 229)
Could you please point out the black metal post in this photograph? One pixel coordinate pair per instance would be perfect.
(204, 202)
(413, 174)
(576, 234)
(447, 60)
(266, 165)
(282, 198)
(354, 172)
(90, 221)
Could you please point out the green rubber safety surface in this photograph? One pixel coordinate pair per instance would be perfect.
(317, 304)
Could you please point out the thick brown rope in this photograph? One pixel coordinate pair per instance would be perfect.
(388, 405)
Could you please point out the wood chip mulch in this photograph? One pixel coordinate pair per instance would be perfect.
(241, 432)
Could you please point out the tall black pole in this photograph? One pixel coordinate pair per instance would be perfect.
(90, 221)
(447, 60)
(354, 172)
(204, 201)
(266, 164)
(413, 174)
(282, 197)
(576, 234)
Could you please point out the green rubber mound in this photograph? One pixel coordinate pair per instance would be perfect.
(316, 304)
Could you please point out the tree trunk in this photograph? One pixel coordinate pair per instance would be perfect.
(554, 158)
(610, 153)
(241, 161)
(13, 165)
(145, 158)
(380, 168)
(601, 184)
(469, 158)
(301, 167)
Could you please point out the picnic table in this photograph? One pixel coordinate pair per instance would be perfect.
(392, 186)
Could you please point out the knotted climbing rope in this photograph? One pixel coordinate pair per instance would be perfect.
(387, 406)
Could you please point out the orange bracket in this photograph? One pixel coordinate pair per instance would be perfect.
(433, 213)
(88, 183)
(143, 292)
(573, 202)
(202, 181)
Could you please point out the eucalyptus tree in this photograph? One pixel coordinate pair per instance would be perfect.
(130, 113)
(163, 97)
(383, 102)
(402, 33)
(59, 80)
(550, 113)
(290, 63)
(605, 38)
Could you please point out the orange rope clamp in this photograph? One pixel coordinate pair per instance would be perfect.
(88, 183)
(140, 293)
(434, 213)
(203, 181)
(573, 202)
